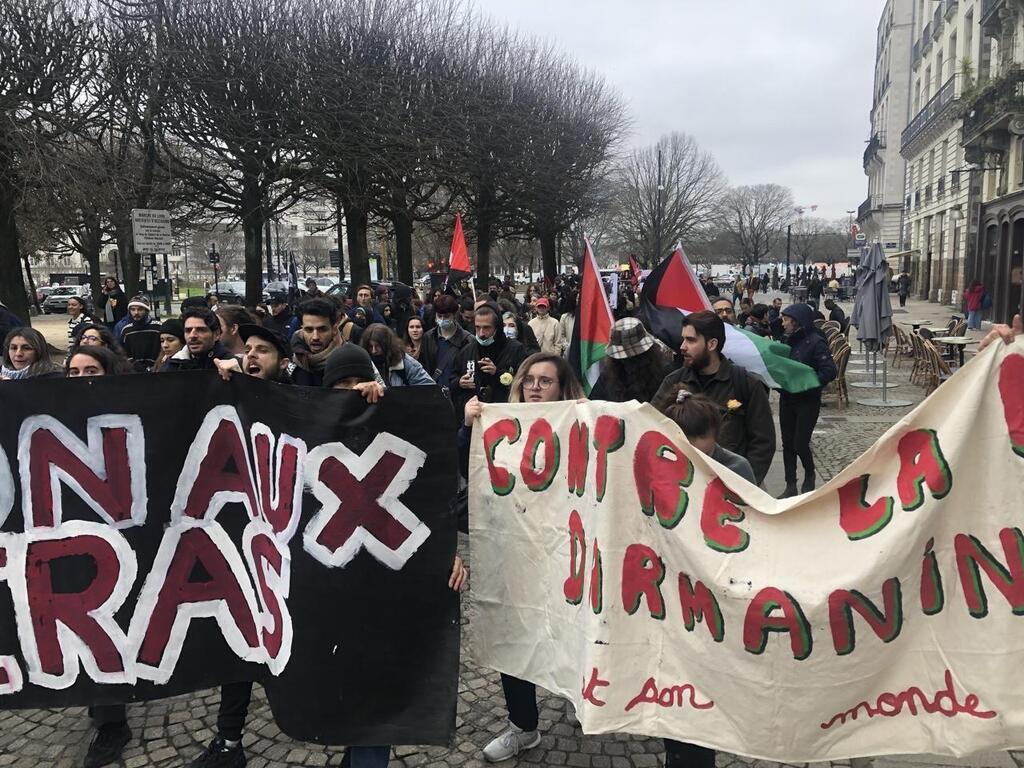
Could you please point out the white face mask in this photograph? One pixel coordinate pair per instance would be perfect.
(511, 332)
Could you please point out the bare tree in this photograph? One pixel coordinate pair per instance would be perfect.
(47, 91)
(577, 123)
(693, 186)
(755, 217)
(232, 121)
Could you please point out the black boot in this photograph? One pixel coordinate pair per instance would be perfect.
(107, 745)
(219, 755)
(790, 490)
(808, 485)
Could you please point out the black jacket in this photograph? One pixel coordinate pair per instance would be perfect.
(183, 361)
(747, 429)
(809, 347)
(507, 356)
(459, 340)
(119, 306)
(141, 342)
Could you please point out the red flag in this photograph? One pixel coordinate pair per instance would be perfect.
(458, 258)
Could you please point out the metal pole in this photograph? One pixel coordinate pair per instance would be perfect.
(167, 283)
(657, 215)
(789, 240)
(885, 381)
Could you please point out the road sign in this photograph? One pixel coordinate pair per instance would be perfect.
(214, 257)
(861, 237)
(151, 231)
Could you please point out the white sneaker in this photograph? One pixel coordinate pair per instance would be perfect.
(510, 743)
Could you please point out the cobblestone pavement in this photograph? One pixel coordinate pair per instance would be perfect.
(172, 731)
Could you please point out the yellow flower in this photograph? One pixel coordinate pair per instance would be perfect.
(505, 379)
(732, 405)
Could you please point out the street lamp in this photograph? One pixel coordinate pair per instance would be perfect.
(657, 214)
(214, 260)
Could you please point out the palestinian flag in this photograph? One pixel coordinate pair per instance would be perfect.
(593, 327)
(458, 257)
(672, 291)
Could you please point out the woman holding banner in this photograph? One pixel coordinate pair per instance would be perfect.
(542, 378)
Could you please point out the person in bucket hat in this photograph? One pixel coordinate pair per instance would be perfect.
(635, 365)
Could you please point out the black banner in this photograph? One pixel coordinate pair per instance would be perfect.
(161, 534)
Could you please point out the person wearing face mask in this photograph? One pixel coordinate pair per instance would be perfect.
(486, 366)
(524, 333)
(447, 338)
(395, 367)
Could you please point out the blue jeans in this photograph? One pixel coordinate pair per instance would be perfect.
(368, 757)
(974, 320)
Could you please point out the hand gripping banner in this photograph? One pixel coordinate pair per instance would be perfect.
(663, 595)
(162, 534)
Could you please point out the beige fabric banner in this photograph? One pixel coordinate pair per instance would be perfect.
(663, 595)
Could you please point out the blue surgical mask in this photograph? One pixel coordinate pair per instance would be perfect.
(484, 342)
(511, 332)
(445, 323)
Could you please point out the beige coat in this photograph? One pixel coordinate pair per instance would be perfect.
(549, 334)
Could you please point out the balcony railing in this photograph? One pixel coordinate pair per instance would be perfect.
(988, 10)
(876, 143)
(873, 203)
(926, 38)
(937, 22)
(933, 110)
(1000, 98)
(949, 8)
(917, 53)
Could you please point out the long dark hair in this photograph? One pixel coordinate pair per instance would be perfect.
(634, 378)
(387, 340)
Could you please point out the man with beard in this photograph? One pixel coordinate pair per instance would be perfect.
(725, 310)
(316, 338)
(486, 366)
(202, 343)
(747, 426)
(141, 336)
(266, 355)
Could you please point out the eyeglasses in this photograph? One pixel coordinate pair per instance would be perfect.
(89, 337)
(537, 382)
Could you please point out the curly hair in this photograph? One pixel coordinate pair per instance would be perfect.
(634, 378)
(386, 339)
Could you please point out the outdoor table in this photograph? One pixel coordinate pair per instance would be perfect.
(915, 326)
(958, 342)
(937, 329)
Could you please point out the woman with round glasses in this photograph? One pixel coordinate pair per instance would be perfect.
(542, 378)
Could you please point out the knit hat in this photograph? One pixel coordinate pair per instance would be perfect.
(138, 301)
(348, 360)
(173, 327)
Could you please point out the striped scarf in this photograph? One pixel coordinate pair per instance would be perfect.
(11, 373)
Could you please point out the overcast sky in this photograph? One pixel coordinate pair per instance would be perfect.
(779, 91)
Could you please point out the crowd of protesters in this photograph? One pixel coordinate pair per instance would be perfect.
(487, 348)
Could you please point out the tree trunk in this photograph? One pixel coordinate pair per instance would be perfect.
(356, 225)
(403, 245)
(130, 263)
(484, 235)
(252, 229)
(12, 287)
(548, 256)
(30, 281)
(341, 237)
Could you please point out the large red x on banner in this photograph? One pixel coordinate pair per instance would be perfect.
(360, 502)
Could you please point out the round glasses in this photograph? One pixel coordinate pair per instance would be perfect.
(537, 382)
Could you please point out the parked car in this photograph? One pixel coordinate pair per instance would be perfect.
(324, 283)
(230, 291)
(57, 302)
(43, 291)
